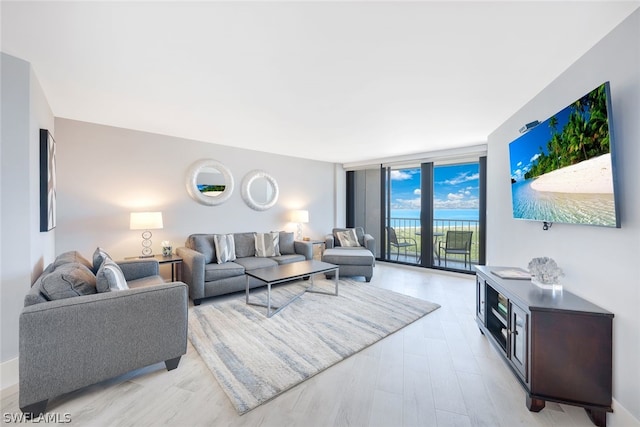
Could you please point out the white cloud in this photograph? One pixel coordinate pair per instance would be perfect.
(417, 191)
(406, 203)
(463, 177)
(400, 175)
(534, 158)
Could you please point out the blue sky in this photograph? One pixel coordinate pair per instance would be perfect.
(455, 187)
(525, 150)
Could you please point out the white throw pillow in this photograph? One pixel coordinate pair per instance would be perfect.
(110, 277)
(267, 244)
(348, 238)
(225, 247)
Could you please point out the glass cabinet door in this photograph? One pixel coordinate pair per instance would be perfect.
(518, 339)
(480, 300)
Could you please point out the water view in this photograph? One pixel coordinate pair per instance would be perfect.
(579, 208)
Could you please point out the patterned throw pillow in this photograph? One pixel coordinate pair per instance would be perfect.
(348, 238)
(225, 248)
(267, 244)
(110, 277)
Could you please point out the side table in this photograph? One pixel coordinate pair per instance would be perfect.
(174, 260)
(318, 248)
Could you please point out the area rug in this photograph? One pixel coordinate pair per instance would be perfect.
(255, 358)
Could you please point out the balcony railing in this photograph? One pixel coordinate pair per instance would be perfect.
(409, 228)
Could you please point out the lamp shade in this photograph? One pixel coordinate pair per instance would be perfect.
(300, 216)
(145, 220)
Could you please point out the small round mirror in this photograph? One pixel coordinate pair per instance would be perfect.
(259, 190)
(209, 182)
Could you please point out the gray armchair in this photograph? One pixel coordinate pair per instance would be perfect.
(70, 343)
(353, 261)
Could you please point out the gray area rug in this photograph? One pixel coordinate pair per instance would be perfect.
(255, 358)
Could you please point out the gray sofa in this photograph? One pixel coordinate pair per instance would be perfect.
(353, 261)
(206, 278)
(72, 336)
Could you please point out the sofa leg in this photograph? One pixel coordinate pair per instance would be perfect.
(172, 364)
(367, 279)
(35, 409)
(197, 301)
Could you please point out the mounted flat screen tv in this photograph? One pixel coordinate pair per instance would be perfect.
(563, 169)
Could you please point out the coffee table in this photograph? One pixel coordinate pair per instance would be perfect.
(289, 272)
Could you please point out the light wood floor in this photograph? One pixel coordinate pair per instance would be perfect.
(439, 371)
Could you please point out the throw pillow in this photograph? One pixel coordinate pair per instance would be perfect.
(69, 280)
(71, 256)
(225, 248)
(203, 243)
(110, 277)
(99, 255)
(348, 238)
(267, 244)
(287, 247)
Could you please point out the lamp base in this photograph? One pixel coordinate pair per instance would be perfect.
(146, 256)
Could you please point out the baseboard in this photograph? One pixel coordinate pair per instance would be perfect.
(621, 417)
(8, 373)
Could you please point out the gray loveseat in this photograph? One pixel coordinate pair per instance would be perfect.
(69, 341)
(207, 278)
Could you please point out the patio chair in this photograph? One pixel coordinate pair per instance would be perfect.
(403, 242)
(457, 243)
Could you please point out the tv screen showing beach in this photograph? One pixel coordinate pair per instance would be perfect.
(562, 169)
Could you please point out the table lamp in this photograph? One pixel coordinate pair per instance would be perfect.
(146, 221)
(300, 217)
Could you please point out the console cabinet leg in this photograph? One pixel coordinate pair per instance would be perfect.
(599, 418)
(534, 405)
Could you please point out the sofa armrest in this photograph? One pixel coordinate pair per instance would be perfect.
(192, 271)
(304, 248)
(71, 343)
(139, 268)
(370, 243)
(328, 241)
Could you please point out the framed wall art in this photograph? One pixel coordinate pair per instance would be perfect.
(47, 181)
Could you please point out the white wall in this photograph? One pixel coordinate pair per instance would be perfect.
(104, 173)
(24, 249)
(600, 264)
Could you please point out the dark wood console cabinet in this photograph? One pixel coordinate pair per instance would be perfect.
(558, 345)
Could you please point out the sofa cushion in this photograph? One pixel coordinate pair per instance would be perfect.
(203, 243)
(99, 255)
(110, 277)
(225, 247)
(267, 244)
(245, 244)
(348, 238)
(286, 243)
(67, 281)
(288, 259)
(251, 263)
(348, 256)
(222, 271)
(71, 256)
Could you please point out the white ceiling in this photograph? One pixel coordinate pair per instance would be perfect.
(335, 81)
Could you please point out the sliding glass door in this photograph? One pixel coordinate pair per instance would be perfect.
(428, 214)
(402, 218)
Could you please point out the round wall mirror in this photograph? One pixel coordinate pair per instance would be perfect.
(259, 190)
(209, 182)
